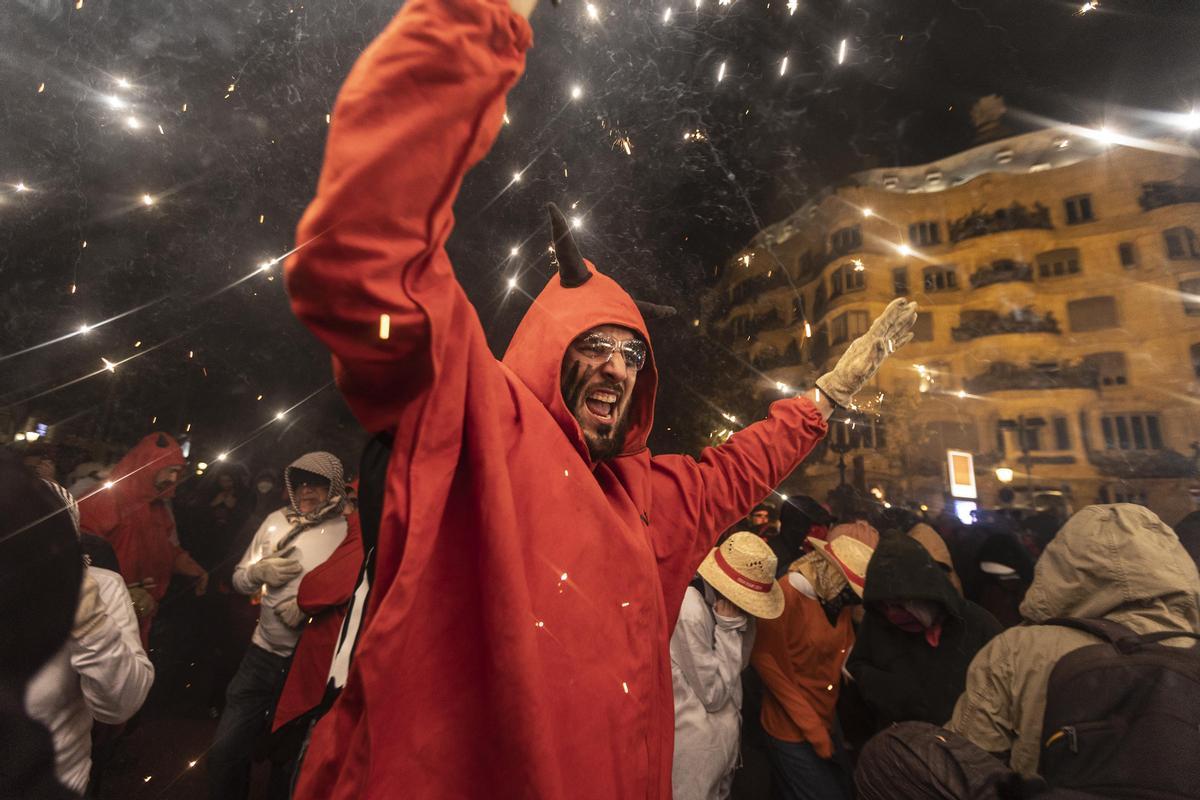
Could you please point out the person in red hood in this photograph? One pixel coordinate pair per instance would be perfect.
(134, 516)
(503, 654)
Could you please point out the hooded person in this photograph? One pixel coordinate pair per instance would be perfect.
(709, 649)
(799, 657)
(917, 638)
(100, 674)
(134, 514)
(799, 518)
(1114, 562)
(552, 642)
(41, 575)
(290, 543)
(1003, 572)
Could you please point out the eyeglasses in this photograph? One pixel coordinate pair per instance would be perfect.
(598, 348)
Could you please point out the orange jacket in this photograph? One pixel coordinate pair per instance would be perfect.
(503, 653)
(799, 657)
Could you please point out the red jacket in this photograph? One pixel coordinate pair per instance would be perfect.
(134, 516)
(506, 655)
(324, 593)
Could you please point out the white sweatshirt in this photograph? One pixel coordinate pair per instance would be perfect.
(708, 654)
(104, 676)
(311, 548)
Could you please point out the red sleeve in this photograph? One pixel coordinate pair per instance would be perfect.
(330, 584)
(98, 514)
(694, 501)
(420, 107)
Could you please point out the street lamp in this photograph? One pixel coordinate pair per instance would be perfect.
(1004, 474)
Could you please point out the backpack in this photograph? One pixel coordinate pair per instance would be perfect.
(1123, 717)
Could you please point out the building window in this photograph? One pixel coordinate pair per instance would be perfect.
(848, 326)
(1092, 314)
(1062, 434)
(1196, 359)
(1132, 432)
(1001, 445)
(1189, 290)
(1110, 368)
(924, 234)
(1030, 438)
(847, 278)
(1181, 243)
(1057, 263)
(1122, 494)
(940, 279)
(860, 433)
(900, 281)
(1079, 209)
(846, 240)
(1128, 255)
(741, 327)
(923, 329)
(820, 300)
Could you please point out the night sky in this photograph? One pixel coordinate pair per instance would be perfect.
(84, 91)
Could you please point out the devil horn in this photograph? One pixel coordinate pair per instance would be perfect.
(654, 310)
(572, 272)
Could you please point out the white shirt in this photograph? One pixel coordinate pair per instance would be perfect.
(311, 548)
(104, 676)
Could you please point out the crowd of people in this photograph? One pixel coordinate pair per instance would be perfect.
(519, 600)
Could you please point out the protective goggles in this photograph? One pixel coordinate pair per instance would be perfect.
(598, 348)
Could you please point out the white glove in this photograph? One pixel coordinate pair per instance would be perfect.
(891, 330)
(290, 613)
(274, 571)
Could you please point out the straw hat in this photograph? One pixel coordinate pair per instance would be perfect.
(849, 555)
(743, 570)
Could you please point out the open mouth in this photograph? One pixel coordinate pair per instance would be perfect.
(602, 403)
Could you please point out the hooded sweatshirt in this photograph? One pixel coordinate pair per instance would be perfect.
(135, 517)
(308, 538)
(917, 669)
(550, 641)
(1118, 562)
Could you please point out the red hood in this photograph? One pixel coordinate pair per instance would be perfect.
(133, 476)
(558, 315)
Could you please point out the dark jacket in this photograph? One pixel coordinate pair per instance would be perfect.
(899, 674)
(1001, 596)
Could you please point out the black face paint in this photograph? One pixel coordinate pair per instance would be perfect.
(608, 440)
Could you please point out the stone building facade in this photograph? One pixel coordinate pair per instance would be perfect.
(1058, 278)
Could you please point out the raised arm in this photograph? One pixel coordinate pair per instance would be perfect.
(371, 277)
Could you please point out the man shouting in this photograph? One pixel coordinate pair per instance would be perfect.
(506, 654)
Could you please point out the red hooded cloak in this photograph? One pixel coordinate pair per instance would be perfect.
(520, 646)
(134, 516)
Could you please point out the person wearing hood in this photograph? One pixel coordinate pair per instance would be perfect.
(709, 649)
(134, 514)
(101, 673)
(1004, 570)
(291, 542)
(1115, 562)
(917, 638)
(563, 662)
(800, 657)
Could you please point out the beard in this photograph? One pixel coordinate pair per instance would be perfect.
(604, 441)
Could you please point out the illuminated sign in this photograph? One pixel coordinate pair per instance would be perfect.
(962, 474)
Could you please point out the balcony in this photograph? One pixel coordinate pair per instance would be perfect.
(1002, 376)
(1163, 193)
(765, 322)
(770, 358)
(1144, 464)
(984, 223)
(1002, 271)
(977, 324)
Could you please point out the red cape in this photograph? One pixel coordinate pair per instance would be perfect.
(324, 593)
(520, 646)
(134, 516)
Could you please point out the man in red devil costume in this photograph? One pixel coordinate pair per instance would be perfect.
(134, 516)
(505, 654)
